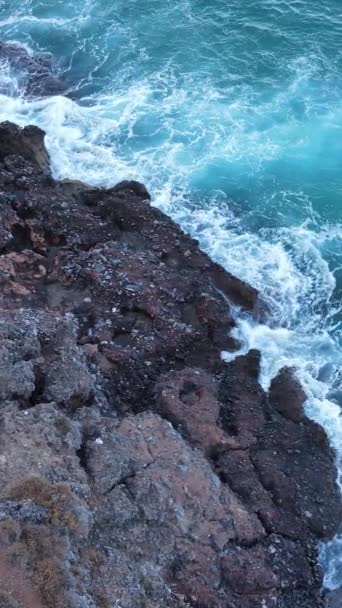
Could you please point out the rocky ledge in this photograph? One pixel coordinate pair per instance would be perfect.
(136, 468)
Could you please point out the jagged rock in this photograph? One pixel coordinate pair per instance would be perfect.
(36, 73)
(133, 186)
(37, 442)
(273, 476)
(162, 502)
(242, 399)
(17, 377)
(26, 143)
(287, 395)
(68, 379)
(136, 468)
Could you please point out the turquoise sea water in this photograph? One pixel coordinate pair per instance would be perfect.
(231, 113)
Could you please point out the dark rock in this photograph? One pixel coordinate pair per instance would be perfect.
(27, 142)
(136, 468)
(133, 186)
(36, 73)
(287, 395)
(256, 565)
(273, 477)
(242, 399)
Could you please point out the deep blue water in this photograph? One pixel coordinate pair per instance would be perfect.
(231, 113)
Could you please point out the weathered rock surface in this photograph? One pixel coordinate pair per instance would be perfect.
(136, 468)
(36, 73)
(20, 146)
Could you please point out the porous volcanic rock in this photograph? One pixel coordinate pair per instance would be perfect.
(137, 469)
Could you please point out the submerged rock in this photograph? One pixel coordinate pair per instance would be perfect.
(35, 72)
(137, 469)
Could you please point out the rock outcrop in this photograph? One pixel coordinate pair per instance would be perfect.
(36, 73)
(136, 468)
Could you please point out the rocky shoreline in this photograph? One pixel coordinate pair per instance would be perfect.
(137, 469)
(36, 74)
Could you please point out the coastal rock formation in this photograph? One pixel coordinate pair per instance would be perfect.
(137, 469)
(36, 73)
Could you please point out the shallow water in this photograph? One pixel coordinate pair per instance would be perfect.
(231, 113)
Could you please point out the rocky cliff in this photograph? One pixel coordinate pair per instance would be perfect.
(136, 468)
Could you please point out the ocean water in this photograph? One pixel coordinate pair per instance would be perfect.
(231, 114)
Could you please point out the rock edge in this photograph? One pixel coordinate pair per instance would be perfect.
(137, 469)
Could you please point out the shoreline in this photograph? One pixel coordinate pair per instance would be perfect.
(147, 453)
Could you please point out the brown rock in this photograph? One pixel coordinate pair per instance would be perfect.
(287, 395)
(189, 400)
(27, 142)
(256, 565)
(242, 399)
(110, 317)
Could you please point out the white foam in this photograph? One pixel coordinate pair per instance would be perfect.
(136, 133)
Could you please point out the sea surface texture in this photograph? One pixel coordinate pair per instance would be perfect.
(231, 114)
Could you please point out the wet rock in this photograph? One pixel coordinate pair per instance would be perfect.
(133, 186)
(36, 73)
